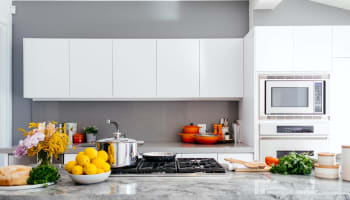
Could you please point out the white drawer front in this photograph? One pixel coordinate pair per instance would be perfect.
(199, 155)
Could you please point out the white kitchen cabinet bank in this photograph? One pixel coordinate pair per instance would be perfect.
(293, 48)
(135, 69)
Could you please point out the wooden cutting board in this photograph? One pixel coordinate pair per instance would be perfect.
(266, 169)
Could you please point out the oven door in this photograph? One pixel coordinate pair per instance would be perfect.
(278, 147)
(289, 97)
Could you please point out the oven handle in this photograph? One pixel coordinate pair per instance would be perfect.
(294, 137)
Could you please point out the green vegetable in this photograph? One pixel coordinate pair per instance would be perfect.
(43, 174)
(293, 163)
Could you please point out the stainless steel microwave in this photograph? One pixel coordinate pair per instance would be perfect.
(294, 95)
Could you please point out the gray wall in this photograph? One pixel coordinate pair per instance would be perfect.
(151, 121)
(301, 12)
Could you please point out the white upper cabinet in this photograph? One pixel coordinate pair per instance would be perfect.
(293, 48)
(221, 68)
(46, 68)
(341, 41)
(274, 48)
(91, 68)
(313, 48)
(134, 68)
(178, 68)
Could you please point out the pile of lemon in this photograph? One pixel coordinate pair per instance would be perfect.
(89, 162)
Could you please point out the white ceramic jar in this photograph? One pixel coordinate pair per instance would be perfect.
(345, 162)
(327, 159)
(328, 172)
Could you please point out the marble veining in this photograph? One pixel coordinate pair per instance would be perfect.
(233, 186)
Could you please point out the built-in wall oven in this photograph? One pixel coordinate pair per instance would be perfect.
(278, 138)
(283, 95)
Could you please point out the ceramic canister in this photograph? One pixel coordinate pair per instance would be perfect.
(328, 172)
(326, 159)
(345, 162)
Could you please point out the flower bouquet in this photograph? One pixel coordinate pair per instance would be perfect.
(44, 141)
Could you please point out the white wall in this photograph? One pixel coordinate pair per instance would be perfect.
(5, 75)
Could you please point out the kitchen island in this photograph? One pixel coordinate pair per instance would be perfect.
(228, 186)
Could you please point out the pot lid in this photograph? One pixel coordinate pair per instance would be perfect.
(191, 126)
(117, 140)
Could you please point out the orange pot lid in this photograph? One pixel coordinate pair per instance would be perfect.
(346, 146)
(326, 154)
(327, 166)
(191, 126)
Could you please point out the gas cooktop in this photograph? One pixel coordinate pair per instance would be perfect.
(180, 166)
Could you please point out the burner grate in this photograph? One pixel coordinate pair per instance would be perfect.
(207, 165)
(154, 166)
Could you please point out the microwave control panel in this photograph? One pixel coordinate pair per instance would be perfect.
(318, 94)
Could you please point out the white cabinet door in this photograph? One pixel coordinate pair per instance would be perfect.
(134, 68)
(45, 68)
(313, 48)
(339, 100)
(178, 68)
(274, 48)
(69, 157)
(200, 155)
(341, 41)
(239, 156)
(91, 68)
(221, 68)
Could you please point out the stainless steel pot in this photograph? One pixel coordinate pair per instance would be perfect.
(121, 151)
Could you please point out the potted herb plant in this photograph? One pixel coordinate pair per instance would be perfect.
(91, 132)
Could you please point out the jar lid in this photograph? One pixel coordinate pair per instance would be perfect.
(327, 166)
(326, 154)
(346, 146)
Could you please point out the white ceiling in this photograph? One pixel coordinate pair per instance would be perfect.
(345, 4)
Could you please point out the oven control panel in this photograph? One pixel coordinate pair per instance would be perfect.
(318, 96)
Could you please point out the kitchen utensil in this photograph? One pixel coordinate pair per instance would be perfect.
(345, 162)
(206, 139)
(327, 159)
(191, 128)
(324, 171)
(251, 165)
(121, 151)
(188, 137)
(159, 156)
(90, 179)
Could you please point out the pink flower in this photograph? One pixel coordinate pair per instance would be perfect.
(20, 150)
(29, 142)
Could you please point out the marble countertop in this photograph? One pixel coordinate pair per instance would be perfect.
(175, 147)
(231, 186)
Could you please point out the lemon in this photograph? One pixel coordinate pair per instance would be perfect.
(106, 167)
(100, 171)
(69, 166)
(103, 155)
(82, 160)
(91, 152)
(98, 162)
(81, 153)
(77, 170)
(90, 169)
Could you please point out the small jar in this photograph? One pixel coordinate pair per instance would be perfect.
(345, 162)
(328, 172)
(327, 159)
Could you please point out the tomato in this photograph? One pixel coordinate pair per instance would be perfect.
(271, 161)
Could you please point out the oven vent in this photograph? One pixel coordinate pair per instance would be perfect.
(293, 117)
(296, 76)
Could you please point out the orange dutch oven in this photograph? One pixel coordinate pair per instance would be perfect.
(191, 129)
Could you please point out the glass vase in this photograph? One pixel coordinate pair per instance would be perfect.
(44, 158)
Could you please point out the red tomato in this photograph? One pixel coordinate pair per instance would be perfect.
(271, 160)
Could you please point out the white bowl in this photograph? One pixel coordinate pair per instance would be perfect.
(90, 179)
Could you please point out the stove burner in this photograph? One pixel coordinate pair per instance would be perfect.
(180, 165)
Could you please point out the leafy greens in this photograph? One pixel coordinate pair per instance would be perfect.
(43, 174)
(293, 163)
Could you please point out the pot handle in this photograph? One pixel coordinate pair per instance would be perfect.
(140, 142)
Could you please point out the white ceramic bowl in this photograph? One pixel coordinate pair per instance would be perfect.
(326, 159)
(90, 179)
(328, 172)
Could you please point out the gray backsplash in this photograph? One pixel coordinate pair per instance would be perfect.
(148, 121)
